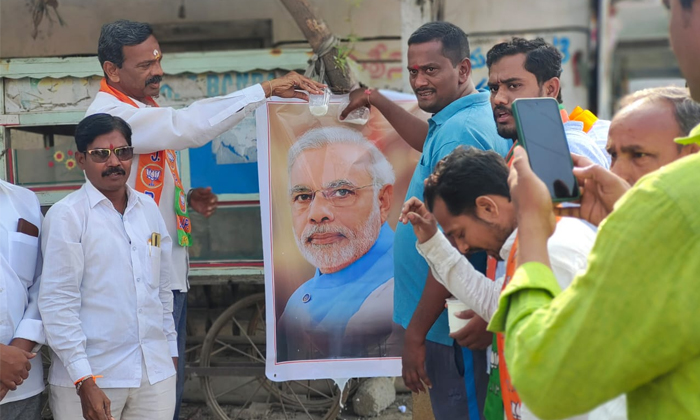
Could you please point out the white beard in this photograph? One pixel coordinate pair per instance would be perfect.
(326, 256)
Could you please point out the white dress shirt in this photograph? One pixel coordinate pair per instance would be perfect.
(105, 292)
(568, 252)
(568, 249)
(161, 128)
(20, 269)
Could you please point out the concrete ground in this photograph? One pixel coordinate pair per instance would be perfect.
(200, 411)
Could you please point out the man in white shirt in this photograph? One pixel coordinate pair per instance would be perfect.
(130, 57)
(468, 196)
(106, 289)
(20, 322)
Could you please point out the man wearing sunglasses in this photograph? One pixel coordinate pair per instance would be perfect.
(131, 59)
(106, 290)
(340, 194)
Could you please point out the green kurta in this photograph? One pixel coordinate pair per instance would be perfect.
(629, 324)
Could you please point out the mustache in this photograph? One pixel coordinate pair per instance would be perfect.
(154, 79)
(114, 170)
(424, 90)
(501, 108)
(306, 235)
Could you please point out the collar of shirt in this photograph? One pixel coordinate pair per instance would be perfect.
(95, 196)
(504, 253)
(360, 268)
(330, 300)
(574, 125)
(450, 110)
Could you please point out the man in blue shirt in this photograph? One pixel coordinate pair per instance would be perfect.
(340, 193)
(440, 75)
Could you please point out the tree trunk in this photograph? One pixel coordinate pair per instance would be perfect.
(316, 32)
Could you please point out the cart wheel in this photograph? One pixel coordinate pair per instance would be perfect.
(237, 340)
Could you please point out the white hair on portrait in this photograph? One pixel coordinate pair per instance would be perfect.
(379, 167)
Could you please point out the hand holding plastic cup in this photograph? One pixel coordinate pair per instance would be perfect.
(358, 116)
(454, 307)
(318, 104)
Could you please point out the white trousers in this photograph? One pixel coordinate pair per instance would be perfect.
(152, 402)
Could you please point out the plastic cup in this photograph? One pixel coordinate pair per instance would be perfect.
(318, 104)
(358, 116)
(454, 307)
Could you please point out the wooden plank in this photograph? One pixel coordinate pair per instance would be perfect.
(422, 409)
(200, 276)
(224, 279)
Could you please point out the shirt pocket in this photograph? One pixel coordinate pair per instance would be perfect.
(424, 169)
(154, 260)
(23, 254)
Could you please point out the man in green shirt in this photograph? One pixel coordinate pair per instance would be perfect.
(630, 323)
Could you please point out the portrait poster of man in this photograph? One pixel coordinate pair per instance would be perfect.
(330, 197)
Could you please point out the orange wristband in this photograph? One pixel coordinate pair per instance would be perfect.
(79, 383)
(94, 378)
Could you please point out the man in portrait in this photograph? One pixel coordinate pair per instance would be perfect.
(340, 193)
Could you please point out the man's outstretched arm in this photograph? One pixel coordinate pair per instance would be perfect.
(411, 128)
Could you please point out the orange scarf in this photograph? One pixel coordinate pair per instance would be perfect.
(511, 401)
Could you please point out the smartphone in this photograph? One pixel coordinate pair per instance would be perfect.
(541, 133)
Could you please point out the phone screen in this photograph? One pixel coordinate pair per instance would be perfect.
(541, 131)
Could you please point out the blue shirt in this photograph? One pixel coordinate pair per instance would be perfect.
(314, 322)
(467, 121)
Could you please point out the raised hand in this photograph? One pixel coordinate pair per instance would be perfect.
(530, 197)
(358, 99)
(288, 86)
(423, 222)
(600, 190)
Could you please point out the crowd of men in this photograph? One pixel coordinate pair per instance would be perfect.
(576, 312)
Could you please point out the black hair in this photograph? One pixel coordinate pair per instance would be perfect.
(96, 125)
(455, 44)
(465, 175)
(116, 35)
(541, 59)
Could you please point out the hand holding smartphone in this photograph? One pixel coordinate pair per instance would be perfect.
(541, 133)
